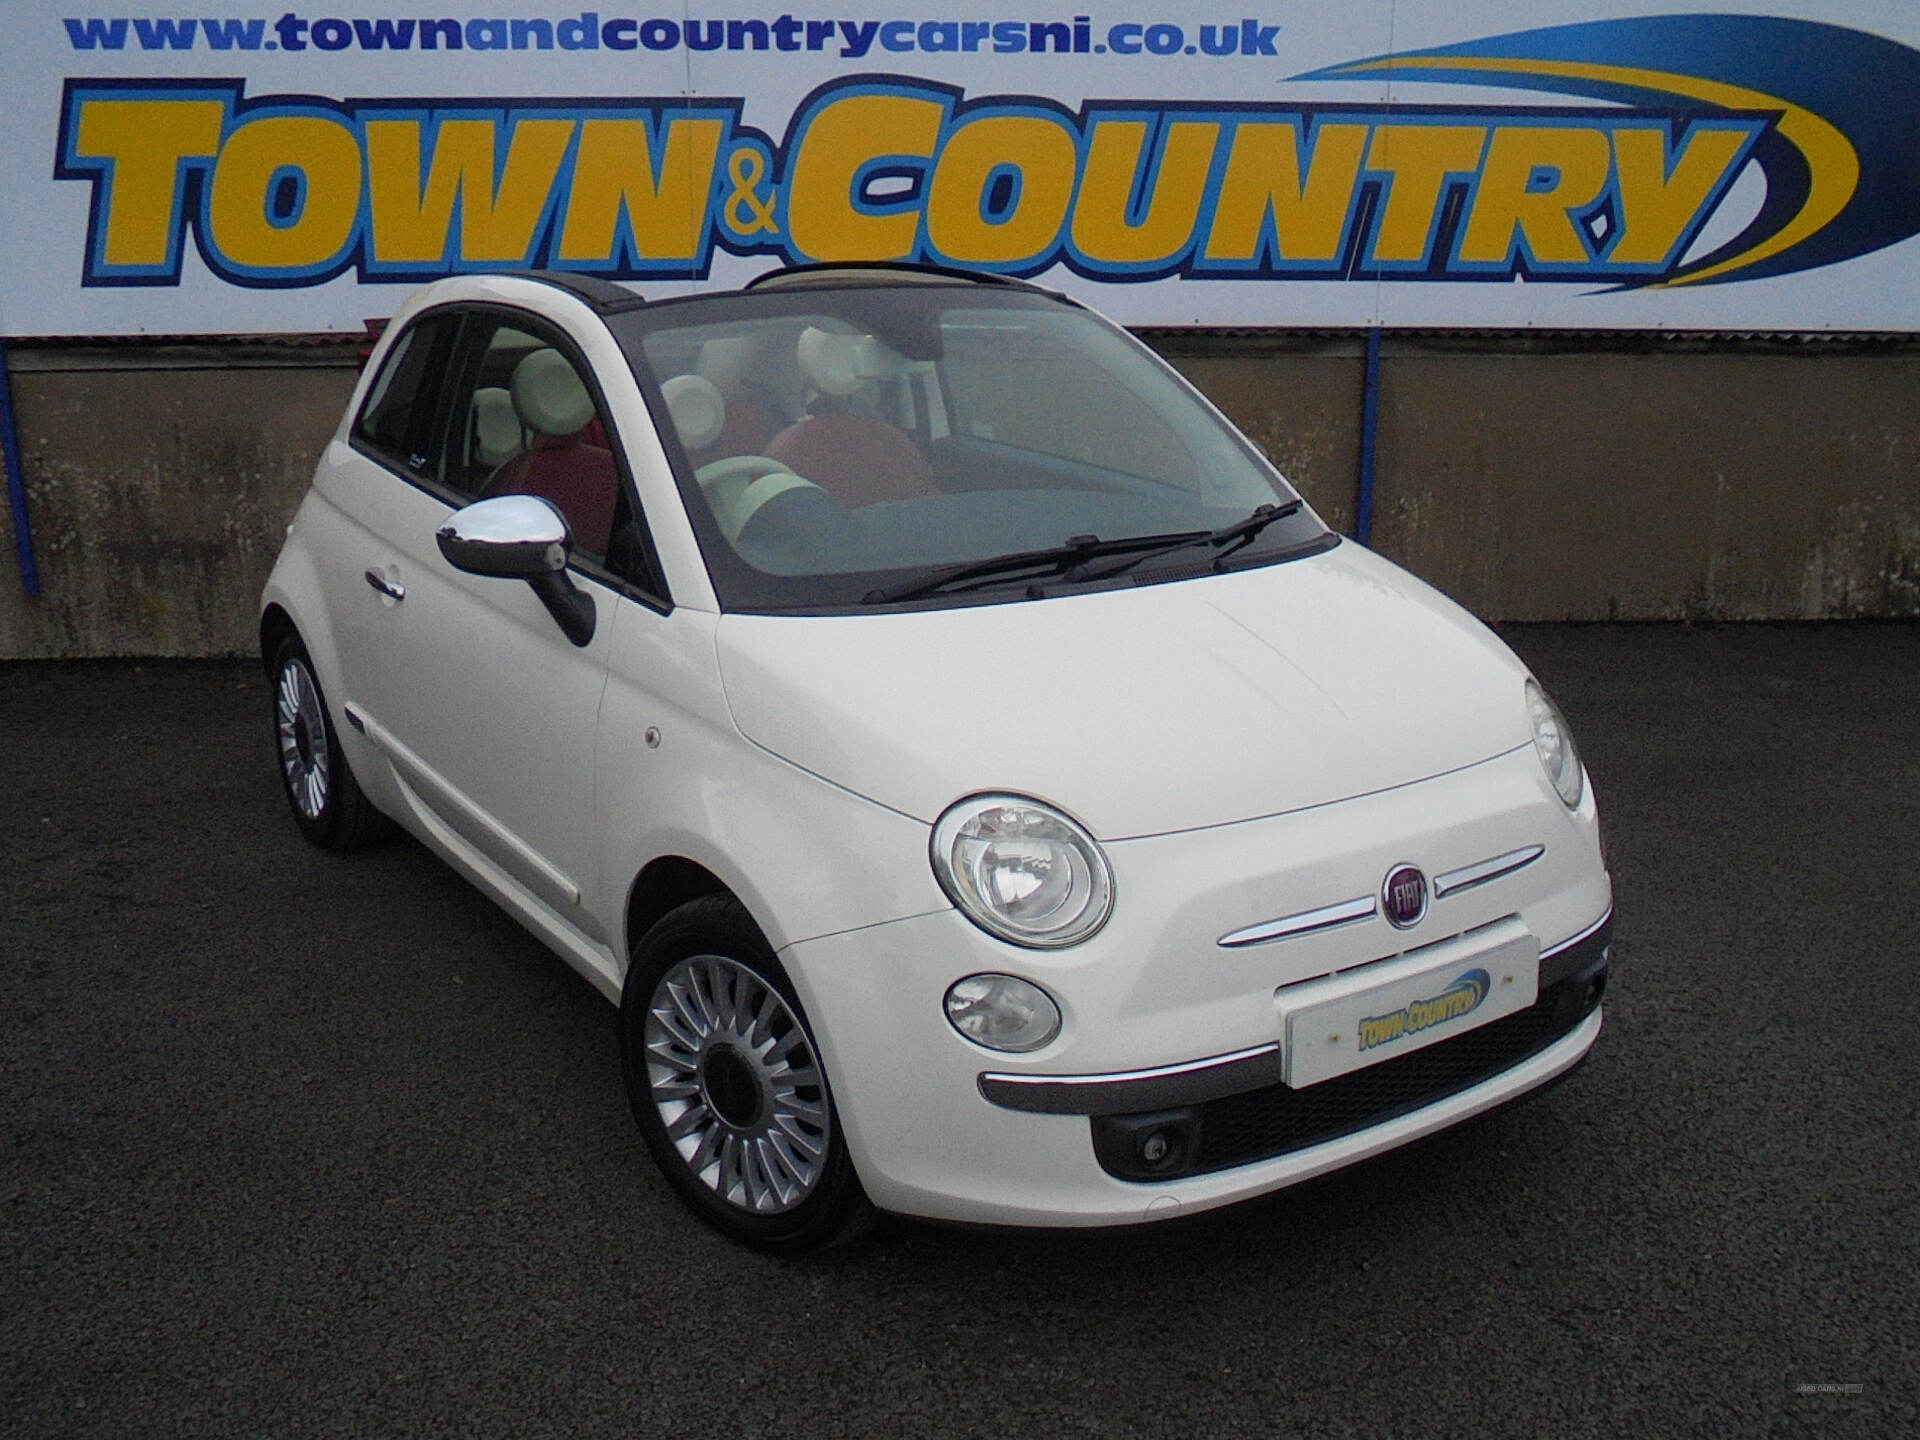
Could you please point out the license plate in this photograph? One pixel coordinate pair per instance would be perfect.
(1346, 1022)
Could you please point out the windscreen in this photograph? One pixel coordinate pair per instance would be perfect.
(853, 445)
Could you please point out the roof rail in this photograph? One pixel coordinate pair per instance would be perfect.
(832, 271)
(601, 295)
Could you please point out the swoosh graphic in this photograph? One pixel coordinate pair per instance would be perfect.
(1477, 981)
(1839, 156)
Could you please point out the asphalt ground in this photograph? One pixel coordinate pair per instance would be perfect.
(300, 1144)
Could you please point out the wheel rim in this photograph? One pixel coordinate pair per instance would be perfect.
(304, 760)
(737, 1085)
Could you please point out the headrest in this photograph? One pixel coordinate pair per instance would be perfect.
(698, 412)
(548, 396)
(841, 364)
(497, 436)
(728, 360)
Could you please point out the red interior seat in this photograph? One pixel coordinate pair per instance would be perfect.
(857, 459)
(746, 430)
(569, 462)
(581, 479)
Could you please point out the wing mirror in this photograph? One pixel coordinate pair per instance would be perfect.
(521, 537)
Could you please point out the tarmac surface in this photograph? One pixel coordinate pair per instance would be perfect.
(299, 1144)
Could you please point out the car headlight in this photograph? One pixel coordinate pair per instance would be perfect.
(1553, 742)
(1022, 870)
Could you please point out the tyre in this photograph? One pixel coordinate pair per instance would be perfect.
(728, 1087)
(325, 798)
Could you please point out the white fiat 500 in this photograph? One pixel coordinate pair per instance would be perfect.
(986, 789)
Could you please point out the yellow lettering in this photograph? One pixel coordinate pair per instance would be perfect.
(613, 171)
(1379, 1029)
(145, 140)
(1041, 150)
(822, 220)
(1656, 206)
(1419, 158)
(243, 230)
(1263, 178)
(412, 223)
(1114, 155)
(1574, 161)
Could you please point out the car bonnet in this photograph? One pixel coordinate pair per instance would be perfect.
(1142, 710)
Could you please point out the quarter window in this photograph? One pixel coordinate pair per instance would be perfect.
(396, 423)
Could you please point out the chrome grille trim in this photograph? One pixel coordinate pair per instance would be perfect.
(1365, 907)
(1468, 876)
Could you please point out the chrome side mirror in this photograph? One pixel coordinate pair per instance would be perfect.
(522, 537)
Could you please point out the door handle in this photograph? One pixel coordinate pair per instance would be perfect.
(392, 589)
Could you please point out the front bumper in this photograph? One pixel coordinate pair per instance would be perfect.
(1156, 1141)
(1154, 1004)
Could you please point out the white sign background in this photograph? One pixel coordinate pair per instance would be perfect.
(46, 229)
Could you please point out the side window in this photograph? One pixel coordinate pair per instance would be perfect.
(396, 420)
(524, 422)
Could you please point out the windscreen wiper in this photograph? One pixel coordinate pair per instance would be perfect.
(1228, 538)
(1054, 560)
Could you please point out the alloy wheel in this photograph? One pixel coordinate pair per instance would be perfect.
(304, 759)
(737, 1085)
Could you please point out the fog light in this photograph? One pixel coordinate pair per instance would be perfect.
(1159, 1145)
(1003, 1012)
(1164, 1149)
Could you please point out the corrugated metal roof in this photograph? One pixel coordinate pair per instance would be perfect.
(1198, 340)
(1452, 332)
(345, 348)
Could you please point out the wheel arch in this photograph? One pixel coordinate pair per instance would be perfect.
(275, 626)
(663, 885)
(293, 605)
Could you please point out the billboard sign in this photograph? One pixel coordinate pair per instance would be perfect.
(1402, 162)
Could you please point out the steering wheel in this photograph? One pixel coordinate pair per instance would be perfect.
(734, 466)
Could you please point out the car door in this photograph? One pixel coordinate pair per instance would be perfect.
(484, 709)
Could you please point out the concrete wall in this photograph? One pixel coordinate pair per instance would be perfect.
(1532, 479)
(159, 485)
(1581, 480)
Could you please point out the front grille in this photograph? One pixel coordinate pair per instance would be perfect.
(1275, 1120)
